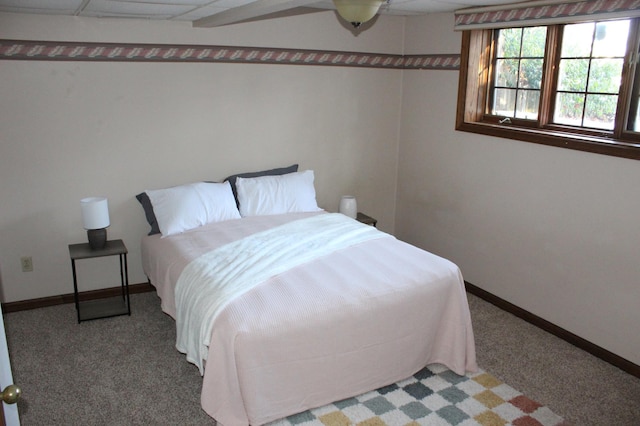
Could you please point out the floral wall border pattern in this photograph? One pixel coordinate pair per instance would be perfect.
(116, 52)
(542, 13)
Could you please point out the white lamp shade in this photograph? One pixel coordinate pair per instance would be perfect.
(95, 212)
(357, 11)
(349, 206)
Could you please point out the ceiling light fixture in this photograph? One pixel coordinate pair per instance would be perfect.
(357, 11)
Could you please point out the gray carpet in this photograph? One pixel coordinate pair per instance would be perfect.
(114, 371)
(125, 371)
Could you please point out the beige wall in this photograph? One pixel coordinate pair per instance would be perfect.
(551, 230)
(74, 129)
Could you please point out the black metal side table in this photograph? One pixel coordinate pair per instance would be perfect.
(361, 217)
(105, 307)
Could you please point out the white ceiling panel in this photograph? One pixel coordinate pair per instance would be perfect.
(64, 7)
(230, 3)
(41, 4)
(36, 11)
(134, 9)
(168, 2)
(201, 12)
(193, 10)
(418, 6)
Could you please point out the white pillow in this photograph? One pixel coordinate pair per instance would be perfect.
(265, 195)
(185, 207)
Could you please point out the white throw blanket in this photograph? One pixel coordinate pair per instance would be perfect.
(210, 282)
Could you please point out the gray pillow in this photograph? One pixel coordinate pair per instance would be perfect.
(143, 198)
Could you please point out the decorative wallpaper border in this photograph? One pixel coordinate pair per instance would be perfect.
(522, 13)
(114, 52)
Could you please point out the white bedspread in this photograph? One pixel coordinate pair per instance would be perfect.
(342, 324)
(208, 283)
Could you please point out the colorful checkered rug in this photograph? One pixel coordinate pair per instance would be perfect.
(433, 396)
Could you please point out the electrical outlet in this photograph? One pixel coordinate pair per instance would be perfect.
(27, 263)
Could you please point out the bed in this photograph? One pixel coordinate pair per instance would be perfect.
(334, 309)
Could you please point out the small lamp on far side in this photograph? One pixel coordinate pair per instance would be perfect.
(349, 206)
(95, 219)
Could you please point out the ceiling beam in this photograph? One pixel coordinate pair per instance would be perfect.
(248, 12)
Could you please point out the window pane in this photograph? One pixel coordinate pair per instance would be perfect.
(533, 42)
(633, 119)
(634, 116)
(577, 40)
(507, 72)
(600, 111)
(573, 74)
(591, 65)
(509, 43)
(569, 108)
(504, 102)
(530, 73)
(611, 38)
(605, 75)
(518, 63)
(528, 101)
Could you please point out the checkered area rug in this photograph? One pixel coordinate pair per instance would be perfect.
(433, 396)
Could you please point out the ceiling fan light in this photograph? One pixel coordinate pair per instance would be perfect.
(357, 11)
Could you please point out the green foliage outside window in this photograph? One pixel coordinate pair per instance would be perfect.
(519, 66)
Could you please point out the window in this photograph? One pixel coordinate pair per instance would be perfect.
(517, 75)
(574, 85)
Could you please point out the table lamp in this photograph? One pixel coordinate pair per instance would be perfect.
(95, 219)
(349, 206)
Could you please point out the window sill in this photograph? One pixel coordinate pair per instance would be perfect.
(597, 145)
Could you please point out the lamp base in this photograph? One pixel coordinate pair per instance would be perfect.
(97, 238)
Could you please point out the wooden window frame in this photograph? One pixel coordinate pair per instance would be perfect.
(473, 92)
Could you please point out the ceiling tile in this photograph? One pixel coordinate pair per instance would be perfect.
(418, 6)
(111, 8)
(40, 6)
(231, 3)
(200, 12)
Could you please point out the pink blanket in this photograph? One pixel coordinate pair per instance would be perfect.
(344, 324)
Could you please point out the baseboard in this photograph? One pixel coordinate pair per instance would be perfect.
(557, 331)
(42, 302)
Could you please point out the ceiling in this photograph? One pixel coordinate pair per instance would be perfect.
(211, 13)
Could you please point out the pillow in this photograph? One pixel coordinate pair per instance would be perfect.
(185, 207)
(290, 193)
(143, 198)
(273, 172)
